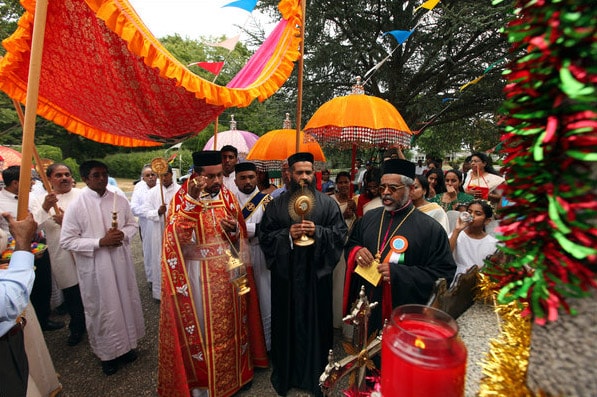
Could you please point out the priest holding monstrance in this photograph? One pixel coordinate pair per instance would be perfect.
(301, 234)
(396, 251)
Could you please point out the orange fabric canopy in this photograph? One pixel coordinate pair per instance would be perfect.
(275, 146)
(359, 119)
(104, 76)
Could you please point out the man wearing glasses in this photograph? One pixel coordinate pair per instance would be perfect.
(409, 249)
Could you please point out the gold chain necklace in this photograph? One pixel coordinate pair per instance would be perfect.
(381, 249)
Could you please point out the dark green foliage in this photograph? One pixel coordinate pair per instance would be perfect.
(451, 45)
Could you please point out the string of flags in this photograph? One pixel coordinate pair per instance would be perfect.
(401, 36)
(230, 43)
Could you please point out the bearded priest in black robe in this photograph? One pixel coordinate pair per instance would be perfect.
(409, 249)
(302, 331)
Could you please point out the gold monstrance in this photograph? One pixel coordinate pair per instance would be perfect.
(301, 204)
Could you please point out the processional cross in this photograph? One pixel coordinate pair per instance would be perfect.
(360, 351)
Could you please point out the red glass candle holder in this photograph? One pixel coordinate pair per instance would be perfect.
(422, 354)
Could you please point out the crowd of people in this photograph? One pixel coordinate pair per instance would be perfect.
(247, 274)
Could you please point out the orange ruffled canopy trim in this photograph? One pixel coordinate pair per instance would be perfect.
(105, 77)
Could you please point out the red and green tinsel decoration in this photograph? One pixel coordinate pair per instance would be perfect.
(550, 144)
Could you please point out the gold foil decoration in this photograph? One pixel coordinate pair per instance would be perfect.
(505, 365)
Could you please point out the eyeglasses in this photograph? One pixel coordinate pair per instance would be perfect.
(391, 188)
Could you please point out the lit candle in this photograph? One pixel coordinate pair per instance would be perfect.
(422, 355)
(114, 204)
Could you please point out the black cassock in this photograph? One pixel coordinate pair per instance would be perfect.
(302, 331)
(426, 258)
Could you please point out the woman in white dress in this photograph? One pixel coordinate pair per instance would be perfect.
(469, 241)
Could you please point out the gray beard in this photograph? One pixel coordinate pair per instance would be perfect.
(395, 206)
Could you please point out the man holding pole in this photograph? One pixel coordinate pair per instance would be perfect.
(42, 288)
(154, 210)
(63, 264)
(138, 199)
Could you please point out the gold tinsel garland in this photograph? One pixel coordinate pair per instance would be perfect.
(505, 365)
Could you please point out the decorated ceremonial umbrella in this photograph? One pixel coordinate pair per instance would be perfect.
(104, 76)
(9, 157)
(243, 141)
(358, 119)
(275, 146)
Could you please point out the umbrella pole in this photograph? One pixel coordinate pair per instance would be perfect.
(37, 45)
(216, 132)
(299, 101)
(42, 174)
(353, 172)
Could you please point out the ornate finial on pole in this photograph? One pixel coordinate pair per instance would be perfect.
(358, 88)
(287, 123)
(232, 122)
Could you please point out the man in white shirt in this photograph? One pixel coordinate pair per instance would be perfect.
(102, 252)
(42, 288)
(138, 199)
(154, 211)
(420, 168)
(252, 203)
(229, 161)
(64, 270)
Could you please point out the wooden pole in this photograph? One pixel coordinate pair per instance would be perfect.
(37, 45)
(299, 100)
(216, 133)
(353, 171)
(38, 161)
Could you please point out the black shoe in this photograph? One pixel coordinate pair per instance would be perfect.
(52, 325)
(110, 367)
(74, 338)
(128, 357)
(61, 310)
(247, 386)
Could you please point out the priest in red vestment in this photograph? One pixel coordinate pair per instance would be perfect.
(210, 335)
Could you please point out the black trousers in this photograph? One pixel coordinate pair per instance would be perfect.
(42, 288)
(74, 306)
(14, 368)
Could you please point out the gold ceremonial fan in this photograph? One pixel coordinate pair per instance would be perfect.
(159, 165)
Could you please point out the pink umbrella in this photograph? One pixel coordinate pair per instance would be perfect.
(9, 157)
(243, 141)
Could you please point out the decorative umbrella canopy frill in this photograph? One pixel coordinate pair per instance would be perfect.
(360, 119)
(272, 148)
(106, 77)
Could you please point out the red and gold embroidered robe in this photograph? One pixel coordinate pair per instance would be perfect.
(210, 337)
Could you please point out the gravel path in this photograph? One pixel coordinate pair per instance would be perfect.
(81, 375)
(80, 371)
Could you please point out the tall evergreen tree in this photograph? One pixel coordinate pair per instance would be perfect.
(450, 46)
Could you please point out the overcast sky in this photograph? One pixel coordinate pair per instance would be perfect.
(192, 18)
